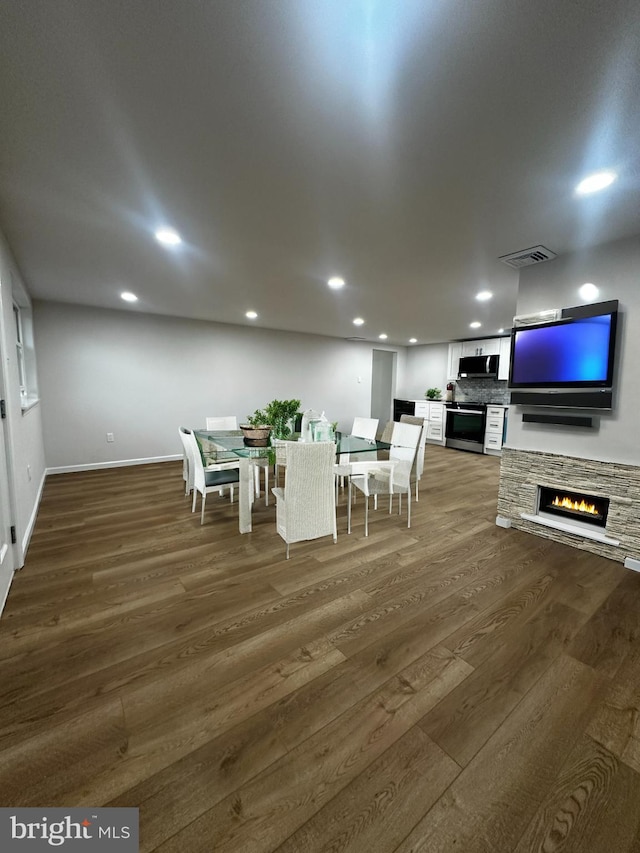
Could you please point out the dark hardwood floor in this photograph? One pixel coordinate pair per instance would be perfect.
(452, 687)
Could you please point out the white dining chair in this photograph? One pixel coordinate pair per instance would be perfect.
(187, 467)
(216, 477)
(387, 477)
(306, 506)
(224, 422)
(362, 428)
(418, 463)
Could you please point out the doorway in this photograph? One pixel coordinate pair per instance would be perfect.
(383, 373)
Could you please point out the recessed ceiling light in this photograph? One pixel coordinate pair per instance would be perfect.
(588, 291)
(413, 340)
(383, 337)
(475, 324)
(128, 296)
(358, 321)
(168, 237)
(596, 182)
(484, 295)
(336, 283)
(500, 331)
(251, 315)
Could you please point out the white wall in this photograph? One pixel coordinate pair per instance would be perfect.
(140, 376)
(615, 269)
(24, 444)
(426, 368)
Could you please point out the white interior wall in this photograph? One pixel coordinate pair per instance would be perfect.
(426, 368)
(141, 376)
(25, 448)
(615, 269)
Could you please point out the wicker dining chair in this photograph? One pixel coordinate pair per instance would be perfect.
(306, 505)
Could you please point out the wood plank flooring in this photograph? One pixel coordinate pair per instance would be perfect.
(450, 687)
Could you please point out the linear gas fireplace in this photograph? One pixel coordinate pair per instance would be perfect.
(599, 511)
(576, 506)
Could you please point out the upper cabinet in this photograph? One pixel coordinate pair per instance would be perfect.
(505, 358)
(455, 352)
(489, 346)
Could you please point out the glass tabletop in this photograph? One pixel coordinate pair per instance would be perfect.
(224, 446)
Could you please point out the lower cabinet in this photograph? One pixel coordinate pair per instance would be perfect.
(435, 428)
(494, 429)
(433, 413)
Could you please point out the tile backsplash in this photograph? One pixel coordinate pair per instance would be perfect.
(482, 391)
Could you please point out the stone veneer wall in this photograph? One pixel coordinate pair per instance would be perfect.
(522, 471)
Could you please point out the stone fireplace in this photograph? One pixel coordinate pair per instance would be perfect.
(575, 506)
(584, 503)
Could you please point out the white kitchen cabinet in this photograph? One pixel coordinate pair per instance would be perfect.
(436, 412)
(488, 346)
(455, 352)
(435, 424)
(494, 430)
(435, 433)
(505, 358)
(433, 414)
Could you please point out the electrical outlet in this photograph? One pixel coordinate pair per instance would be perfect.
(110, 436)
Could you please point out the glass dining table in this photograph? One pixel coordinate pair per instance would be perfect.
(218, 446)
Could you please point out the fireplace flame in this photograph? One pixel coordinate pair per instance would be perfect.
(577, 506)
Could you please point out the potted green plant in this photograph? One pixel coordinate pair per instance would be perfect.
(257, 429)
(433, 394)
(276, 418)
(281, 414)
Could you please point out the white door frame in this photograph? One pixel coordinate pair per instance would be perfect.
(7, 549)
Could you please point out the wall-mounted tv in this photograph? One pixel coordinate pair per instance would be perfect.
(574, 352)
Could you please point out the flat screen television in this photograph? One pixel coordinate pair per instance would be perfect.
(574, 352)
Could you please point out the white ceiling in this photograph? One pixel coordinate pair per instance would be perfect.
(401, 144)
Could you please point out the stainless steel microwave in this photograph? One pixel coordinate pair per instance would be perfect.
(478, 367)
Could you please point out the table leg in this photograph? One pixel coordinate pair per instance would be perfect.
(245, 496)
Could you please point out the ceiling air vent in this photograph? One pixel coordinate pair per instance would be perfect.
(355, 338)
(526, 257)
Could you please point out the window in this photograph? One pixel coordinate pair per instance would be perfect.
(20, 352)
(25, 356)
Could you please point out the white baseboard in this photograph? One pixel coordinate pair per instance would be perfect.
(31, 523)
(4, 590)
(632, 564)
(118, 463)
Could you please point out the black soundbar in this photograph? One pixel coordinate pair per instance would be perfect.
(598, 399)
(563, 420)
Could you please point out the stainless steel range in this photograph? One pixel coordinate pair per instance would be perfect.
(465, 426)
